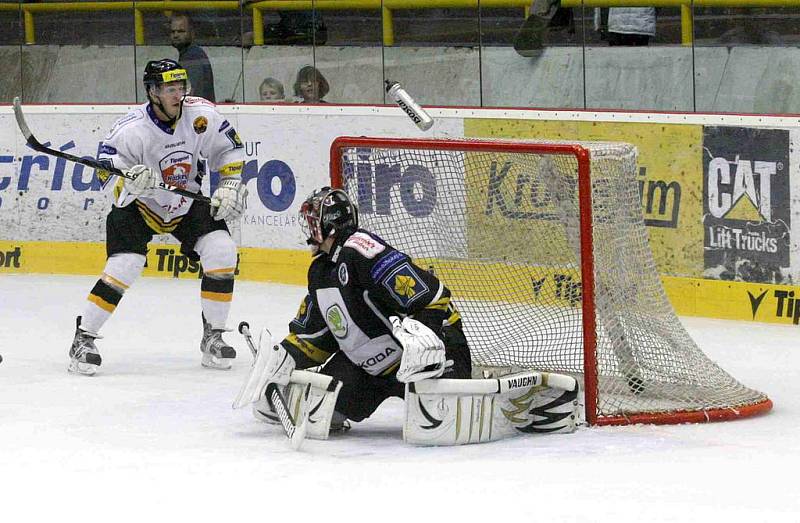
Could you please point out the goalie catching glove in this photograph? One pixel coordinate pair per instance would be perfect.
(423, 351)
(229, 200)
(139, 179)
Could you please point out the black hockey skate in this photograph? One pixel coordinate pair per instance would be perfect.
(216, 353)
(84, 358)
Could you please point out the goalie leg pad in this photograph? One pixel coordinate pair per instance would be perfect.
(319, 404)
(457, 412)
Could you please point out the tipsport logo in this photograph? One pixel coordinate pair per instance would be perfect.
(783, 304)
(20, 174)
(172, 262)
(10, 259)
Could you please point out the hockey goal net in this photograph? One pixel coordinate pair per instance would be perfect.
(544, 248)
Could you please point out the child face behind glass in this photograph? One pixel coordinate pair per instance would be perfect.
(270, 94)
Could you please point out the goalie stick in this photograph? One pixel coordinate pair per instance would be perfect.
(36, 145)
(295, 430)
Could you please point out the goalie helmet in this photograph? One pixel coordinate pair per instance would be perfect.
(325, 212)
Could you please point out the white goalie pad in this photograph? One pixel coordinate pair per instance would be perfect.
(320, 403)
(458, 412)
(317, 408)
(256, 381)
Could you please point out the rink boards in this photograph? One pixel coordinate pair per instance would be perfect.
(720, 193)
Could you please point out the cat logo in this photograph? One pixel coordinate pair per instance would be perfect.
(200, 124)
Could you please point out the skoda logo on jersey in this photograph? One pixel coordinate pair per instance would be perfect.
(176, 168)
(200, 124)
(343, 276)
(336, 321)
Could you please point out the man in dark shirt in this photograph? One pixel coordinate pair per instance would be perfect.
(192, 57)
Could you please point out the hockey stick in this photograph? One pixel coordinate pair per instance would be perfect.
(294, 430)
(36, 145)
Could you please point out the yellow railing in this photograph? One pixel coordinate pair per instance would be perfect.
(387, 7)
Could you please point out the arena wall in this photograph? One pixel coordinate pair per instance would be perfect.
(720, 194)
(746, 79)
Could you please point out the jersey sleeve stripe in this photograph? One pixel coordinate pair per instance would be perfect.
(308, 349)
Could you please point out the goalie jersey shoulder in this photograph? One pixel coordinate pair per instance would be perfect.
(365, 244)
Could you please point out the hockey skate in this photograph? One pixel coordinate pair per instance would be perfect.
(84, 358)
(216, 353)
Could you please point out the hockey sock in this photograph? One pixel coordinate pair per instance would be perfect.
(120, 272)
(216, 292)
(217, 252)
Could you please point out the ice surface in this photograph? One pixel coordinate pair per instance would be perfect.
(152, 437)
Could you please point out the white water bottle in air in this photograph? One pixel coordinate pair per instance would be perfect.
(408, 105)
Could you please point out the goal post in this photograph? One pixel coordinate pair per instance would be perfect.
(544, 247)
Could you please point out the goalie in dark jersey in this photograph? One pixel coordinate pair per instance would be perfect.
(372, 318)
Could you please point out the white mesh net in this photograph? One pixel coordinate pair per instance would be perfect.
(501, 227)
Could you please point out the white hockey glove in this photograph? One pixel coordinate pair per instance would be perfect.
(423, 351)
(139, 179)
(229, 200)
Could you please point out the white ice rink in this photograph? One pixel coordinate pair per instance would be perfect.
(152, 437)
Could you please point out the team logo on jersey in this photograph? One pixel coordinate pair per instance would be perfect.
(176, 168)
(343, 276)
(404, 285)
(200, 124)
(336, 321)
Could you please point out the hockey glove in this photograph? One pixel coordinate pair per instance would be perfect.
(229, 201)
(423, 351)
(139, 179)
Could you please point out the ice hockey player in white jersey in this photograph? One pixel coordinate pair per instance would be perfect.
(162, 142)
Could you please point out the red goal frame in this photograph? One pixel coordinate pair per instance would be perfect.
(589, 332)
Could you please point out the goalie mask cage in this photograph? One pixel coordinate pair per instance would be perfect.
(544, 248)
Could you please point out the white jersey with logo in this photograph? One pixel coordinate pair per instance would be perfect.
(139, 138)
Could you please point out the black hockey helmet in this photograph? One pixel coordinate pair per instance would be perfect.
(326, 211)
(158, 72)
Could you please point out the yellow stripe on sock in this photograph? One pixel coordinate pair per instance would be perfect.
(114, 282)
(224, 270)
(100, 302)
(216, 296)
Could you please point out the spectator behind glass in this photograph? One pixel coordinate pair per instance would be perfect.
(310, 86)
(271, 90)
(297, 28)
(192, 57)
(626, 25)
